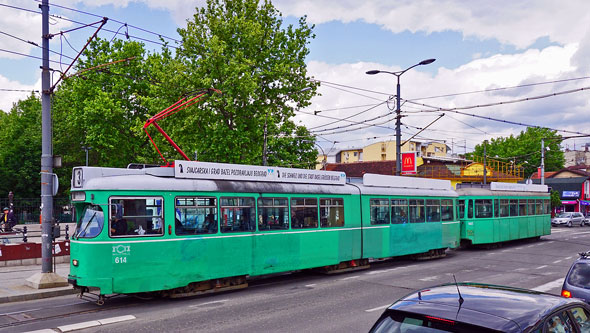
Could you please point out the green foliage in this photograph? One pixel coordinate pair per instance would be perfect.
(555, 199)
(241, 48)
(526, 147)
(20, 149)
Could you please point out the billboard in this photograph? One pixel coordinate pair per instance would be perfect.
(409, 163)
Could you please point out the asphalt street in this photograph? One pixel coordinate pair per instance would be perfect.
(311, 302)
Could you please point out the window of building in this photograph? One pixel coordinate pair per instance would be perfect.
(195, 215)
(136, 216)
(522, 207)
(304, 213)
(399, 211)
(433, 210)
(483, 208)
(446, 210)
(379, 211)
(513, 207)
(332, 212)
(417, 211)
(504, 207)
(273, 213)
(238, 214)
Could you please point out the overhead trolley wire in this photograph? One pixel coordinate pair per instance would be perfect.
(34, 44)
(30, 56)
(343, 119)
(455, 109)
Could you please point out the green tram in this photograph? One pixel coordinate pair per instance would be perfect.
(202, 227)
(501, 212)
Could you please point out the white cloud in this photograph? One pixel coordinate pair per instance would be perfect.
(531, 66)
(11, 97)
(518, 23)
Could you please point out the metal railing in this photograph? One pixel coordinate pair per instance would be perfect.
(22, 233)
(27, 210)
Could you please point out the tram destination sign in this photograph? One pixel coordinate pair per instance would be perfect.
(223, 171)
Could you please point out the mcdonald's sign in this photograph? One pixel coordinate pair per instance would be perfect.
(408, 163)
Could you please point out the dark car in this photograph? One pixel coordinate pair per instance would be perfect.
(577, 281)
(471, 307)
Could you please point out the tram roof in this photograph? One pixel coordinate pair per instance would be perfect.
(162, 179)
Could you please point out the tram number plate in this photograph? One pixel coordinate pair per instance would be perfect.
(120, 260)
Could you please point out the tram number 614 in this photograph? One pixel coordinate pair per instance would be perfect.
(120, 260)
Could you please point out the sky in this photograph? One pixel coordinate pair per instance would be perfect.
(500, 65)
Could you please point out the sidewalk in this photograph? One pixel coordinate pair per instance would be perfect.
(14, 289)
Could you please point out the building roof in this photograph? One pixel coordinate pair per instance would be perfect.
(358, 169)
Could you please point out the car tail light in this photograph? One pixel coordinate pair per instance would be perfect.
(447, 321)
(566, 293)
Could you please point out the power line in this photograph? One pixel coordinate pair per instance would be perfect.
(351, 87)
(352, 92)
(504, 88)
(19, 90)
(31, 56)
(334, 118)
(33, 43)
(504, 103)
(114, 20)
(343, 119)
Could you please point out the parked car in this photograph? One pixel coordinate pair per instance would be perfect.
(472, 307)
(586, 219)
(569, 219)
(577, 281)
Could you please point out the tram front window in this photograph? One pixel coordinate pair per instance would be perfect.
(90, 223)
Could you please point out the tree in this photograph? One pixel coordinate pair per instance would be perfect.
(20, 149)
(241, 48)
(555, 200)
(526, 147)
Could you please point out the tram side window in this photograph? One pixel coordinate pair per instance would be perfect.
(331, 213)
(483, 208)
(446, 210)
(304, 213)
(399, 211)
(433, 210)
(461, 208)
(522, 207)
(547, 206)
(417, 211)
(513, 207)
(273, 214)
(196, 215)
(470, 209)
(539, 207)
(532, 208)
(504, 207)
(379, 211)
(496, 208)
(237, 214)
(137, 216)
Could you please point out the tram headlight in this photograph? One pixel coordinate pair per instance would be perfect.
(75, 262)
(78, 196)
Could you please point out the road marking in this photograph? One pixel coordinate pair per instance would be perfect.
(549, 242)
(208, 303)
(528, 247)
(568, 258)
(383, 307)
(541, 267)
(311, 285)
(429, 278)
(95, 323)
(557, 231)
(519, 248)
(491, 253)
(557, 261)
(350, 278)
(505, 250)
(550, 285)
(583, 232)
(383, 271)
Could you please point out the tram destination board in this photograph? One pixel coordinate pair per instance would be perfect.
(223, 171)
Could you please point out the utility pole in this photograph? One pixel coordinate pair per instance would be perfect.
(47, 278)
(542, 161)
(485, 169)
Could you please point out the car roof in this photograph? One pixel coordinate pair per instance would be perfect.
(496, 307)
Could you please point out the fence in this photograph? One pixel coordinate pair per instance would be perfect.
(27, 210)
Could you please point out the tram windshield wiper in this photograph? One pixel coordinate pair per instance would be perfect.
(86, 226)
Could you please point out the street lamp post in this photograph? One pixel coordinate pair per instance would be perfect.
(398, 131)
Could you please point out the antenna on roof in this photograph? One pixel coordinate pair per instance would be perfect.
(459, 292)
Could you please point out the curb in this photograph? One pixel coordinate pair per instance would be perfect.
(39, 295)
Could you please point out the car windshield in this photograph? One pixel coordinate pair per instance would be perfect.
(564, 215)
(580, 275)
(90, 223)
(398, 321)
